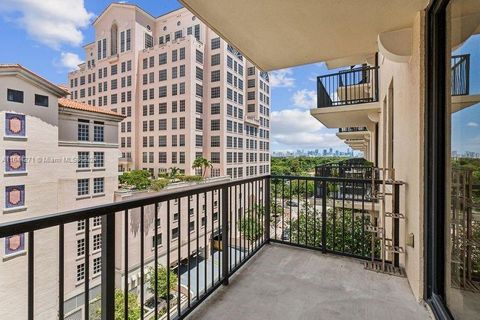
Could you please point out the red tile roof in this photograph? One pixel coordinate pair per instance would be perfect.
(70, 104)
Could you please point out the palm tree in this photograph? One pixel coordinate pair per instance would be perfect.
(203, 164)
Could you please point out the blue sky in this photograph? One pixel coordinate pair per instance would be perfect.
(47, 37)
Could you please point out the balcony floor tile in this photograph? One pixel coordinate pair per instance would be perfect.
(283, 282)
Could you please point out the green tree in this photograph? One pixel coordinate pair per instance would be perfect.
(203, 164)
(346, 230)
(139, 179)
(161, 281)
(133, 307)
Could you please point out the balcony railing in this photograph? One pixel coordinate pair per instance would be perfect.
(347, 87)
(210, 232)
(460, 75)
(352, 129)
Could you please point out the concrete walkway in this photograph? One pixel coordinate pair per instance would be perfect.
(289, 283)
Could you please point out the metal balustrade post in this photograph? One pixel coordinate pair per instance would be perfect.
(396, 224)
(225, 236)
(108, 267)
(267, 209)
(324, 216)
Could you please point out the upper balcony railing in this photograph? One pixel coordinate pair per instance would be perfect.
(347, 87)
(201, 236)
(460, 75)
(352, 129)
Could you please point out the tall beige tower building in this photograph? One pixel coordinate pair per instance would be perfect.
(185, 93)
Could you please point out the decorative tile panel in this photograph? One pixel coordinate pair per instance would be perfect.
(14, 196)
(15, 161)
(15, 125)
(14, 244)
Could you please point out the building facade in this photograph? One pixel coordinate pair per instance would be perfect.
(58, 155)
(185, 93)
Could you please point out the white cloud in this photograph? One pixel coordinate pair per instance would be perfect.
(282, 78)
(296, 129)
(69, 60)
(472, 124)
(51, 22)
(304, 99)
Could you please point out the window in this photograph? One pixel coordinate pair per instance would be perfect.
(178, 34)
(97, 242)
(83, 130)
(215, 92)
(82, 187)
(215, 108)
(162, 124)
(182, 70)
(182, 53)
(80, 247)
(199, 56)
(83, 161)
(174, 72)
(215, 125)
(197, 32)
(182, 157)
(215, 43)
(215, 141)
(98, 132)
(148, 40)
(162, 141)
(199, 90)
(162, 108)
(198, 107)
(215, 157)
(162, 157)
(15, 95)
(162, 75)
(251, 83)
(162, 58)
(215, 59)
(162, 91)
(174, 89)
(199, 73)
(175, 232)
(81, 272)
(41, 101)
(174, 55)
(198, 140)
(215, 76)
(198, 123)
(97, 221)
(157, 240)
(182, 88)
(98, 159)
(114, 69)
(128, 40)
(81, 225)
(97, 265)
(98, 185)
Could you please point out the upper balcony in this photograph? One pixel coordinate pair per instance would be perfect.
(460, 79)
(347, 98)
(162, 255)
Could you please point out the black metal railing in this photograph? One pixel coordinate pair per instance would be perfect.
(313, 212)
(460, 75)
(352, 129)
(352, 86)
(210, 231)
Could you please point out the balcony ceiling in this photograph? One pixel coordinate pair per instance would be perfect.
(354, 135)
(276, 34)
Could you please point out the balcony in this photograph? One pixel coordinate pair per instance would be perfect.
(162, 255)
(348, 98)
(460, 78)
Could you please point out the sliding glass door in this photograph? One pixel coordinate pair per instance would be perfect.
(462, 250)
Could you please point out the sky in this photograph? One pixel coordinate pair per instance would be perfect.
(47, 37)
